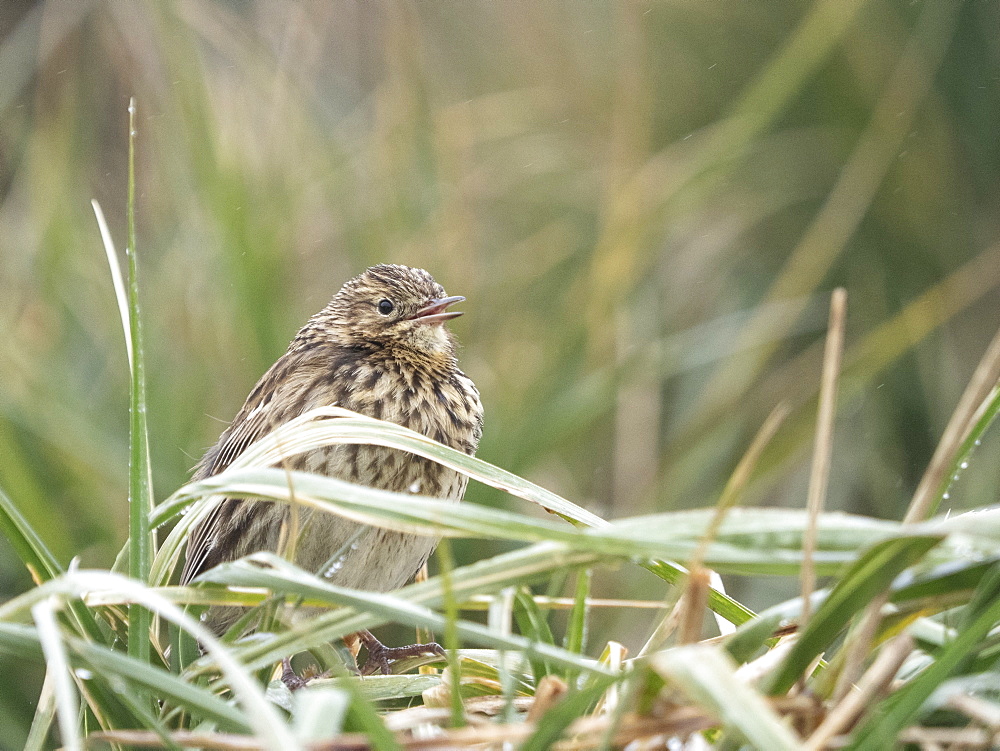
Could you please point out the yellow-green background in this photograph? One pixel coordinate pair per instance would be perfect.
(646, 204)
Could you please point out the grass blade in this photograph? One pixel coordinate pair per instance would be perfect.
(708, 677)
(869, 575)
(576, 629)
(39, 560)
(57, 666)
(367, 610)
(22, 640)
(904, 706)
(27, 543)
(140, 480)
(45, 713)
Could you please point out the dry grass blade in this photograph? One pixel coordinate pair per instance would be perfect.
(983, 380)
(820, 472)
(693, 605)
(859, 644)
(734, 488)
(551, 690)
(585, 733)
(739, 479)
(870, 687)
(116, 275)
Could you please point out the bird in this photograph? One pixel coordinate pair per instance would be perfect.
(380, 348)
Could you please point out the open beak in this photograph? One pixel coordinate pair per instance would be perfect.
(435, 310)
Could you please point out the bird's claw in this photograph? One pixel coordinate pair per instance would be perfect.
(289, 678)
(381, 657)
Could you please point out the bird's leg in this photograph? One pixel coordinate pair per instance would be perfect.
(289, 678)
(380, 657)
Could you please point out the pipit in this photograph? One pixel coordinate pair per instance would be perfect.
(380, 347)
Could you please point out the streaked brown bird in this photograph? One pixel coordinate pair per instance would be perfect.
(380, 347)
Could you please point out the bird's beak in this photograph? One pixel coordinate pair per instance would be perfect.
(434, 311)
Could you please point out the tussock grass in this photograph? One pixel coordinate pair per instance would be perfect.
(775, 682)
(647, 206)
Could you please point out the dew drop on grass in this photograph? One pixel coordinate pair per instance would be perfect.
(963, 465)
(83, 674)
(414, 487)
(335, 567)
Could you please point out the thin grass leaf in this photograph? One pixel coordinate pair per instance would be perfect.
(500, 617)
(871, 574)
(27, 543)
(904, 706)
(294, 437)
(57, 666)
(319, 713)
(558, 718)
(375, 688)
(260, 715)
(40, 561)
(946, 581)
(987, 413)
(533, 623)
(368, 609)
(45, 713)
(720, 603)
(334, 425)
(451, 642)
(140, 475)
(121, 295)
(364, 716)
(708, 677)
(767, 540)
(576, 629)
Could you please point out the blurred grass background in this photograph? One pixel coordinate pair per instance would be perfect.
(646, 203)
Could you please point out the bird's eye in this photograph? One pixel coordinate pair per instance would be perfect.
(385, 307)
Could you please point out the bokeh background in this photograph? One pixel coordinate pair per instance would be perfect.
(646, 203)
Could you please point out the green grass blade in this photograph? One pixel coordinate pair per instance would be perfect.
(39, 560)
(451, 640)
(720, 603)
(987, 414)
(45, 713)
(669, 535)
(904, 706)
(533, 623)
(576, 629)
(708, 677)
(260, 715)
(140, 481)
(334, 425)
(194, 699)
(319, 712)
(368, 609)
(27, 543)
(368, 720)
(869, 575)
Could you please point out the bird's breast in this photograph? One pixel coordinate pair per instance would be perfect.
(443, 406)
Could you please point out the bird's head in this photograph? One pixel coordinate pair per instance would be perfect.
(394, 306)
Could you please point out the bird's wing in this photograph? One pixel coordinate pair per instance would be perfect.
(232, 443)
(253, 422)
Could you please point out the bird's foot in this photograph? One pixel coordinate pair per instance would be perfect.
(381, 657)
(293, 681)
(289, 678)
